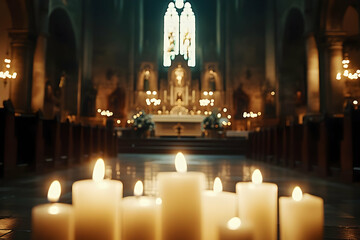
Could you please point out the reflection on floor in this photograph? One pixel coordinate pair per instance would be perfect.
(17, 197)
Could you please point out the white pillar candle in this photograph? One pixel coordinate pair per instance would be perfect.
(53, 221)
(218, 207)
(96, 206)
(181, 202)
(258, 206)
(139, 216)
(301, 217)
(235, 230)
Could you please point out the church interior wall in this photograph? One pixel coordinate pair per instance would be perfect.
(247, 63)
(5, 24)
(115, 38)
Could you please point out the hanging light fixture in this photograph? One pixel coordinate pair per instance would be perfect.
(7, 74)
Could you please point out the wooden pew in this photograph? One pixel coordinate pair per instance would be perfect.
(95, 140)
(295, 141)
(52, 142)
(285, 146)
(87, 135)
(310, 141)
(8, 142)
(30, 143)
(278, 142)
(67, 141)
(350, 152)
(78, 136)
(329, 145)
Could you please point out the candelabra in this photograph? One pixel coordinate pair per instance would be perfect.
(7, 74)
(152, 100)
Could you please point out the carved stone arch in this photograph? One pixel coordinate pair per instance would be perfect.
(62, 60)
(292, 74)
(332, 14)
(19, 10)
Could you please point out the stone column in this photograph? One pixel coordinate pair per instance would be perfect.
(39, 76)
(313, 77)
(21, 54)
(334, 95)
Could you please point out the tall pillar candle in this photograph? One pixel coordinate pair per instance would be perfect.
(235, 230)
(301, 216)
(181, 202)
(258, 206)
(139, 216)
(53, 221)
(218, 207)
(96, 206)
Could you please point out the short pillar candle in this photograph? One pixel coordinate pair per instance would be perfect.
(301, 216)
(139, 215)
(96, 206)
(53, 221)
(258, 206)
(181, 202)
(218, 207)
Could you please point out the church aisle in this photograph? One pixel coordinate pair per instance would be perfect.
(17, 197)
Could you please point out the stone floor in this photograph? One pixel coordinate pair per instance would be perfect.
(18, 196)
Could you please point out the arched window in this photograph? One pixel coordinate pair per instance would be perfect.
(171, 34)
(179, 35)
(187, 34)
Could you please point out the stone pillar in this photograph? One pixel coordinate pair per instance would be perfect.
(313, 77)
(39, 76)
(334, 95)
(21, 54)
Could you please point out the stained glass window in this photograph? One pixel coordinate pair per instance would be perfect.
(179, 33)
(187, 34)
(171, 34)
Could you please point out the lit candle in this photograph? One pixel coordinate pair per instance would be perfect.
(235, 230)
(218, 207)
(139, 216)
(258, 206)
(301, 216)
(96, 206)
(52, 221)
(181, 202)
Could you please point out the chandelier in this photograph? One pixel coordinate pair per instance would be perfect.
(7, 74)
(348, 74)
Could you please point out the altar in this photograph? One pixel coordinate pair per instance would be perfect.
(178, 125)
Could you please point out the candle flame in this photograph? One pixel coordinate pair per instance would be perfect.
(99, 170)
(218, 185)
(54, 191)
(53, 210)
(139, 188)
(297, 194)
(180, 163)
(257, 177)
(234, 223)
(158, 201)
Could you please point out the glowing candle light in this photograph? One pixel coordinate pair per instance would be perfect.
(52, 221)
(181, 202)
(301, 216)
(234, 229)
(140, 216)
(258, 206)
(218, 207)
(96, 206)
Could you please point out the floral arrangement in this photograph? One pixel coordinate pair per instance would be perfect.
(212, 122)
(143, 122)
